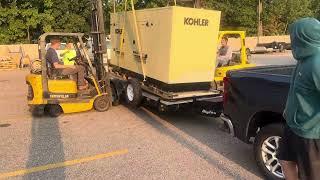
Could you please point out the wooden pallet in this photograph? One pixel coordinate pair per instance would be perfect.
(7, 64)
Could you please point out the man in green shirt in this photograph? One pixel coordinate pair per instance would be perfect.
(299, 150)
(68, 55)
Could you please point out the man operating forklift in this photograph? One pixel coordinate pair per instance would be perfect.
(49, 92)
(61, 69)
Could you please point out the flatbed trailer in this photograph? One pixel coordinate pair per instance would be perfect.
(135, 92)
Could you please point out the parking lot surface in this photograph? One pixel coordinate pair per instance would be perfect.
(122, 143)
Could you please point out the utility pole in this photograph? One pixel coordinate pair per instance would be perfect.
(191, 3)
(260, 28)
(197, 3)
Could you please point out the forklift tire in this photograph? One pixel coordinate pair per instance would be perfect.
(53, 110)
(101, 103)
(37, 111)
(133, 93)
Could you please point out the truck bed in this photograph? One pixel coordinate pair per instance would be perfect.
(254, 101)
(254, 90)
(267, 70)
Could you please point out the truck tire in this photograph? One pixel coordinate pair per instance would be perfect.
(101, 103)
(53, 110)
(266, 145)
(133, 93)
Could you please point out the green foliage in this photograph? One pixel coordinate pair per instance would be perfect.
(236, 15)
(279, 14)
(25, 20)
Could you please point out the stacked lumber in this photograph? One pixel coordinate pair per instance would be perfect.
(7, 63)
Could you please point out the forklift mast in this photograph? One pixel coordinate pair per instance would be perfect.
(99, 38)
(99, 46)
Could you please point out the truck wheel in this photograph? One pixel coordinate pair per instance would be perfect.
(266, 145)
(133, 93)
(101, 103)
(53, 110)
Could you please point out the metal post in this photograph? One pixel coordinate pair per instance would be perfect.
(260, 30)
(197, 3)
(99, 46)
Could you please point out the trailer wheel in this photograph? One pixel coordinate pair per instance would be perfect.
(266, 145)
(133, 93)
(115, 95)
(53, 110)
(101, 103)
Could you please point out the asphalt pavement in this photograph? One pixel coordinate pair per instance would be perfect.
(122, 143)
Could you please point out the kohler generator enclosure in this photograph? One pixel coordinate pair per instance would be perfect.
(178, 46)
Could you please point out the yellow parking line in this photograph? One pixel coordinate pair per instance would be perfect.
(62, 164)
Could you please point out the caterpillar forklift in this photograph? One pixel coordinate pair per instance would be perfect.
(51, 93)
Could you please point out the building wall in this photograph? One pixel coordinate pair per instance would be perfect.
(15, 52)
(251, 42)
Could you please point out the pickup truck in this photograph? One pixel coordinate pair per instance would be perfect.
(254, 100)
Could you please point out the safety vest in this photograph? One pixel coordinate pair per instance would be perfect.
(67, 56)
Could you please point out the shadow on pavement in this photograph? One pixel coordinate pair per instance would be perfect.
(206, 131)
(46, 148)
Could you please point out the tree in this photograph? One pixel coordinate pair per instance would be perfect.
(236, 15)
(26, 20)
(19, 20)
(279, 14)
(316, 8)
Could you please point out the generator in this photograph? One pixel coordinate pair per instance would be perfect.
(172, 48)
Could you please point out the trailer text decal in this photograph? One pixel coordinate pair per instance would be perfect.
(196, 21)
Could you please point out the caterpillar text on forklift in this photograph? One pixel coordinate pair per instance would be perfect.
(150, 61)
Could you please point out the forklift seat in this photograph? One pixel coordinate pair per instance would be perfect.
(235, 60)
(54, 74)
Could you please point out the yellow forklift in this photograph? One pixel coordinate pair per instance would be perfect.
(237, 62)
(54, 94)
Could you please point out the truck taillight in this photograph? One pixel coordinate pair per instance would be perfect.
(226, 84)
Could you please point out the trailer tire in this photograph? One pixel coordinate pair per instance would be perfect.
(115, 95)
(133, 93)
(265, 139)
